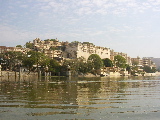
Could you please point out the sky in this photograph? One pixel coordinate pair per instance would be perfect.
(128, 26)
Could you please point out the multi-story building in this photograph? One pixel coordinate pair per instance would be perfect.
(46, 44)
(4, 49)
(77, 49)
(50, 47)
(146, 61)
(129, 62)
(112, 55)
(128, 59)
(137, 61)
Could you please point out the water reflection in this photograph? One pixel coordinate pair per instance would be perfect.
(80, 98)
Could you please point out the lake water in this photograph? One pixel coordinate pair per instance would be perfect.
(60, 98)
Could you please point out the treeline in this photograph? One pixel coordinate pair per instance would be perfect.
(34, 60)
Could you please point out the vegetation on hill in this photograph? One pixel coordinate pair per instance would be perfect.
(96, 61)
(107, 62)
(54, 40)
(20, 46)
(148, 69)
(34, 60)
(119, 61)
(29, 45)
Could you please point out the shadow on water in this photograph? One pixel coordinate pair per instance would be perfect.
(79, 98)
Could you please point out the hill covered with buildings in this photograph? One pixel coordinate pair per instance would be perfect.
(62, 51)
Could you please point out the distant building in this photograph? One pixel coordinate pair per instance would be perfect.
(50, 47)
(148, 62)
(137, 61)
(4, 49)
(46, 44)
(77, 49)
(145, 61)
(156, 61)
(128, 59)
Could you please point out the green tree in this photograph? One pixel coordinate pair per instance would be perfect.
(82, 65)
(35, 58)
(75, 42)
(128, 68)
(54, 66)
(29, 45)
(107, 62)
(53, 48)
(95, 61)
(135, 63)
(77, 66)
(71, 64)
(53, 40)
(120, 61)
(148, 69)
(29, 60)
(154, 69)
(20, 46)
(13, 58)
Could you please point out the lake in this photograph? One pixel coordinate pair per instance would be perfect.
(61, 98)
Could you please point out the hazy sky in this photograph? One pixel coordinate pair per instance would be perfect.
(129, 26)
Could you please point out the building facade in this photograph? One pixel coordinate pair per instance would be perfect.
(76, 50)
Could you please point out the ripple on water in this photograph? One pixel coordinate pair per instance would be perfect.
(86, 99)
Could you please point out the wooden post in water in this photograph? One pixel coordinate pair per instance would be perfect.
(19, 72)
(8, 75)
(39, 75)
(68, 72)
(15, 75)
(45, 74)
(0, 71)
(50, 74)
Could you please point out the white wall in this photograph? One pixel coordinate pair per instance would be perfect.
(84, 50)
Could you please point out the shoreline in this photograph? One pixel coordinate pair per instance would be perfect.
(16, 75)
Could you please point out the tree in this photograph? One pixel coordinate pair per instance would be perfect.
(29, 62)
(20, 46)
(128, 68)
(54, 40)
(96, 61)
(35, 58)
(107, 62)
(120, 61)
(29, 45)
(30, 59)
(77, 65)
(54, 66)
(75, 42)
(148, 69)
(135, 63)
(154, 69)
(83, 66)
(52, 48)
(13, 58)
